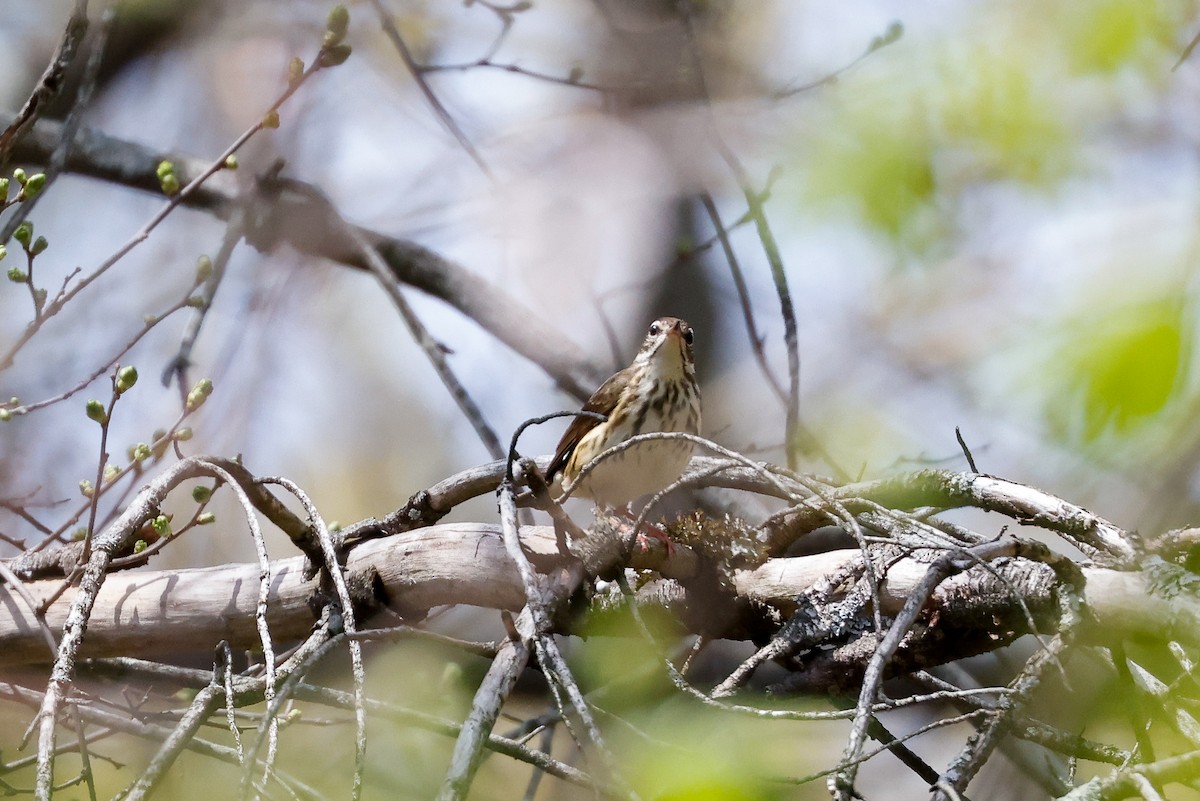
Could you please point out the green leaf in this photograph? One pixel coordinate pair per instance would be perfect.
(1106, 35)
(1119, 369)
(879, 157)
(1007, 117)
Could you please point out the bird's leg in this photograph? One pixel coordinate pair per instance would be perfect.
(623, 516)
(647, 531)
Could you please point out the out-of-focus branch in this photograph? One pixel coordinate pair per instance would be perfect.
(50, 83)
(292, 213)
(445, 117)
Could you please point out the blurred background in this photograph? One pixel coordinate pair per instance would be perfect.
(985, 212)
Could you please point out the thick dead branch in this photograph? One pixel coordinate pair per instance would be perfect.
(157, 612)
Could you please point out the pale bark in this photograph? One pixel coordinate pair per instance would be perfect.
(149, 612)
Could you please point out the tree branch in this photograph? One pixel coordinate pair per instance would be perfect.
(294, 214)
(158, 612)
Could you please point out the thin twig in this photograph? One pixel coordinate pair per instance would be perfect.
(841, 783)
(432, 348)
(18, 586)
(979, 748)
(334, 570)
(83, 98)
(893, 33)
(116, 536)
(198, 712)
(315, 230)
(393, 34)
(739, 282)
(540, 604)
(175, 201)
(82, 384)
(485, 707)
(260, 613)
(755, 201)
(178, 366)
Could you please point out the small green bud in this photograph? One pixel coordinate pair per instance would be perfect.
(39, 246)
(95, 411)
(161, 525)
(150, 319)
(5, 415)
(205, 518)
(24, 234)
(294, 714)
(201, 493)
(86, 489)
(139, 546)
(333, 56)
(295, 70)
(204, 268)
(111, 471)
(335, 526)
(271, 120)
(336, 25)
(231, 161)
(164, 169)
(17, 275)
(169, 184)
(197, 302)
(183, 434)
(39, 297)
(199, 394)
(141, 452)
(3, 252)
(127, 376)
(3, 189)
(35, 184)
(19, 176)
(79, 534)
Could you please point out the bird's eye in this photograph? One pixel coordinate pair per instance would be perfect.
(655, 329)
(688, 336)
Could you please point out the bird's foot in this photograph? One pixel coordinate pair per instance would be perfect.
(648, 532)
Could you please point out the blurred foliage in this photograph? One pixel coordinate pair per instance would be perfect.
(673, 748)
(1118, 369)
(1009, 122)
(616, 660)
(1105, 36)
(1009, 103)
(879, 156)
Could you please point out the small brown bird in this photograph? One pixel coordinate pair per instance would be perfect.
(658, 392)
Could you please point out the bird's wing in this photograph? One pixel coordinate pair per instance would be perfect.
(603, 401)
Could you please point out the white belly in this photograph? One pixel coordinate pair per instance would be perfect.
(644, 468)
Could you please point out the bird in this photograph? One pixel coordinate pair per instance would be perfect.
(658, 392)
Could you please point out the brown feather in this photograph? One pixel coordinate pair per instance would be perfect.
(604, 401)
